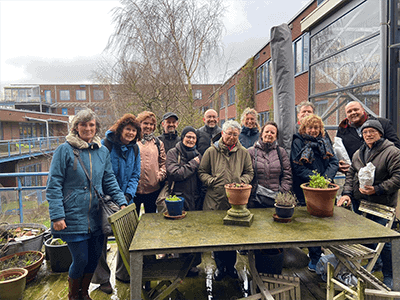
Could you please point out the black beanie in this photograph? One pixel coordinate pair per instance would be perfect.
(373, 124)
(186, 130)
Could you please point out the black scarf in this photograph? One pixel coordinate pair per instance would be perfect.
(188, 153)
(314, 146)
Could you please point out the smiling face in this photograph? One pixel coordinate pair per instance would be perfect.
(147, 126)
(313, 130)
(190, 139)
(128, 134)
(230, 136)
(87, 130)
(304, 112)
(355, 113)
(371, 135)
(169, 125)
(211, 118)
(249, 121)
(269, 134)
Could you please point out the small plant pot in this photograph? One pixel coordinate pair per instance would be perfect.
(59, 256)
(33, 268)
(12, 288)
(175, 208)
(320, 202)
(284, 212)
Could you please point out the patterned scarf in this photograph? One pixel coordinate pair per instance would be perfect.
(314, 146)
(147, 137)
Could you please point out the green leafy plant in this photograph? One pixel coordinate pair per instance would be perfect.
(173, 198)
(57, 242)
(236, 185)
(286, 199)
(318, 181)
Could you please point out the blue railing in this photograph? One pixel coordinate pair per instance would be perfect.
(9, 148)
(21, 188)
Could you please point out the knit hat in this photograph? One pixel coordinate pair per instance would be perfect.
(373, 124)
(186, 130)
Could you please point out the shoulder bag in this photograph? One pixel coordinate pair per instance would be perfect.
(106, 203)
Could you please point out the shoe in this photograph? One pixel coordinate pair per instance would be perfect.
(388, 281)
(233, 273)
(219, 274)
(193, 272)
(312, 267)
(106, 287)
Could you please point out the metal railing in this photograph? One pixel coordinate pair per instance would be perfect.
(21, 188)
(10, 148)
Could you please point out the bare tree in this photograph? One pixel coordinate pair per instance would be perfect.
(163, 46)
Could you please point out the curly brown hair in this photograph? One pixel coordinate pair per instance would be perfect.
(127, 119)
(312, 120)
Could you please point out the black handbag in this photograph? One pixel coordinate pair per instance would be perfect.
(106, 203)
(263, 196)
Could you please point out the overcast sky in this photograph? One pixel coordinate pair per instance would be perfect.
(62, 41)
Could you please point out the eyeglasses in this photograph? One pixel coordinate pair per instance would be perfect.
(371, 131)
(190, 137)
(232, 134)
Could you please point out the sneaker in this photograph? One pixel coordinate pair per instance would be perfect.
(388, 281)
(219, 274)
(312, 267)
(106, 287)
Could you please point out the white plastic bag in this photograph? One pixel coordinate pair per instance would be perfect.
(340, 150)
(366, 175)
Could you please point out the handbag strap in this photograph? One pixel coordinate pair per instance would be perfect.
(171, 189)
(77, 154)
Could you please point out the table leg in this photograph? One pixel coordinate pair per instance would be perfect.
(396, 264)
(136, 269)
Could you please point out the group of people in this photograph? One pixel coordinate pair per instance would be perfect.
(132, 165)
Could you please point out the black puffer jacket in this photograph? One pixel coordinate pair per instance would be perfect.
(170, 140)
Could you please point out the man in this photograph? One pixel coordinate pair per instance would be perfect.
(386, 182)
(210, 132)
(226, 161)
(350, 130)
(170, 135)
(304, 109)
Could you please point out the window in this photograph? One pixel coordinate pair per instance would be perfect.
(47, 96)
(198, 94)
(320, 107)
(31, 180)
(78, 109)
(98, 94)
(80, 95)
(222, 98)
(301, 53)
(64, 95)
(264, 76)
(265, 116)
(231, 96)
(101, 112)
(64, 111)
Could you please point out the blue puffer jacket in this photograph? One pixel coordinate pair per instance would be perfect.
(68, 190)
(249, 136)
(125, 165)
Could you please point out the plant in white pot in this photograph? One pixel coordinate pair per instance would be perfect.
(285, 204)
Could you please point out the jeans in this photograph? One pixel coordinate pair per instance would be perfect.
(85, 256)
(315, 254)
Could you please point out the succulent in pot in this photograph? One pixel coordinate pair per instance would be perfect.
(285, 204)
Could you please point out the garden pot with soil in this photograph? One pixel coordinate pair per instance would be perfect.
(58, 254)
(29, 260)
(12, 283)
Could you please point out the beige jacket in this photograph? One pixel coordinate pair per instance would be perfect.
(152, 166)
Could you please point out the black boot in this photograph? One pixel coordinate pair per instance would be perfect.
(86, 279)
(73, 288)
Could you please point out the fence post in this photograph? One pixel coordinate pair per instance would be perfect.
(21, 213)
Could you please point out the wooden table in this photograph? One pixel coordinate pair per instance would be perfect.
(202, 231)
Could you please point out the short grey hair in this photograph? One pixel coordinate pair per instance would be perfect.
(82, 116)
(305, 103)
(231, 124)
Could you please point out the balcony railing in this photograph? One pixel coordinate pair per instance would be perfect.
(9, 148)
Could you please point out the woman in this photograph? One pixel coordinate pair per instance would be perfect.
(273, 169)
(182, 164)
(250, 128)
(152, 156)
(73, 204)
(120, 140)
(311, 150)
(384, 155)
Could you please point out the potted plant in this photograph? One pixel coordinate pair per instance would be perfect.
(30, 260)
(59, 255)
(12, 283)
(174, 205)
(320, 195)
(285, 204)
(238, 193)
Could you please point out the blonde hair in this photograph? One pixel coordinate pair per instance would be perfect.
(312, 120)
(250, 111)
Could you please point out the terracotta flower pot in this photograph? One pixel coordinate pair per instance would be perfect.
(12, 288)
(238, 195)
(33, 269)
(320, 202)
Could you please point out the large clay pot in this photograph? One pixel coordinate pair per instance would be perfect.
(238, 195)
(320, 202)
(33, 269)
(13, 288)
